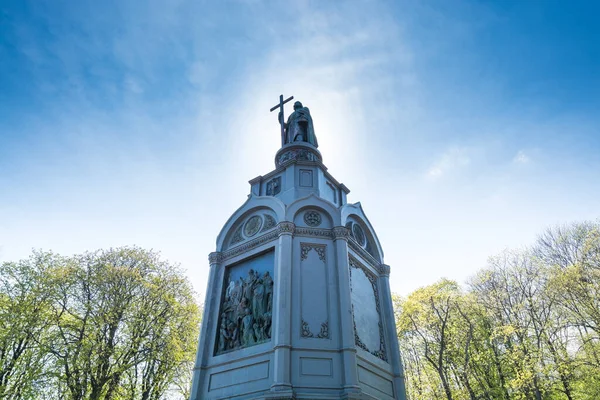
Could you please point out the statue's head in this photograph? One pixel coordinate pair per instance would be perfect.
(297, 105)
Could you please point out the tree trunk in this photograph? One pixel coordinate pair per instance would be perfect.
(445, 384)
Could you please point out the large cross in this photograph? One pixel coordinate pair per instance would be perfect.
(280, 106)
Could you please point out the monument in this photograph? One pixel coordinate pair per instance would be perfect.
(298, 304)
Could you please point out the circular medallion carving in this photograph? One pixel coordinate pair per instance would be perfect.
(312, 218)
(252, 226)
(359, 234)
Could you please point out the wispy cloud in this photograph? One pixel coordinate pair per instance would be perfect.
(151, 120)
(452, 159)
(521, 158)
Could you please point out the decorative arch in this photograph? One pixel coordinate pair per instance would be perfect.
(258, 214)
(311, 216)
(329, 214)
(354, 218)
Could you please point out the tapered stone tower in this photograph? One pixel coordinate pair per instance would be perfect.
(298, 304)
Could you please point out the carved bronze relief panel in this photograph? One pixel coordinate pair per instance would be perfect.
(246, 307)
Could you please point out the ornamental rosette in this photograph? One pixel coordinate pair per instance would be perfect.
(312, 218)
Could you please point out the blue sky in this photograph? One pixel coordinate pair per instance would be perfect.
(463, 128)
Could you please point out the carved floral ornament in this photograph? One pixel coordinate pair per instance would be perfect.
(252, 226)
(323, 333)
(305, 248)
(383, 269)
(289, 228)
(312, 218)
(251, 244)
(247, 229)
(286, 228)
(215, 257)
(282, 228)
(341, 232)
(313, 232)
(269, 222)
(256, 223)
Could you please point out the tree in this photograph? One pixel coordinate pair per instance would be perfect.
(425, 323)
(25, 296)
(111, 324)
(526, 327)
(572, 253)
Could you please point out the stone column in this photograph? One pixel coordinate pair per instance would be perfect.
(387, 308)
(348, 346)
(211, 310)
(282, 315)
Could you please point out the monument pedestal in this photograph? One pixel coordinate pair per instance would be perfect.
(298, 304)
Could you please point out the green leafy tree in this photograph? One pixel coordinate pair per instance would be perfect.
(25, 300)
(572, 253)
(111, 324)
(527, 327)
(426, 325)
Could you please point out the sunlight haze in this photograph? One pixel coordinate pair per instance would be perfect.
(463, 128)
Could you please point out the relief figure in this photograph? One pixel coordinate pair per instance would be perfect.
(247, 322)
(245, 317)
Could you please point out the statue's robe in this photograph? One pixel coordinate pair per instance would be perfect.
(299, 127)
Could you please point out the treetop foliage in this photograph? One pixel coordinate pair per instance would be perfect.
(110, 324)
(527, 326)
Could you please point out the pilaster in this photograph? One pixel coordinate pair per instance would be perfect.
(211, 302)
(348, 346)
(387, 306)
(282, 315)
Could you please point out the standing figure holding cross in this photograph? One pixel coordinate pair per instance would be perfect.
(299, 126)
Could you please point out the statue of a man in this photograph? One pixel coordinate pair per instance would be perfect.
(224, 336)
(268, 298)
(258, 303)
(249, 284)
(248, 330)
(299, 126)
